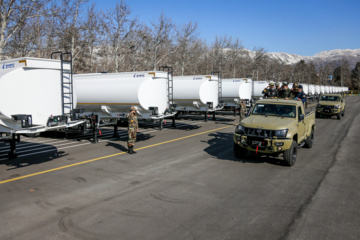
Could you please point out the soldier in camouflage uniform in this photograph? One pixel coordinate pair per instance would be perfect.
(270, 92)
(243, 110)
(133, 128)
(285, 92)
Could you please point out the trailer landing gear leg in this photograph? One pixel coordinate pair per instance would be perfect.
(161, 126)
(115, 131)
(234, 111)
(214, 118)
(173, 122)
(95, 131)
(13, 153)
(206, 116)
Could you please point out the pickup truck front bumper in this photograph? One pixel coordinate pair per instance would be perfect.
(261, 144)
(327, 111)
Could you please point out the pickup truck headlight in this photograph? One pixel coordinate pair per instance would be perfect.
(337, 106)
(240, 129)
(281, 133)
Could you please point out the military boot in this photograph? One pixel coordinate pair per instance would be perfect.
(129, 150)
(132, 149)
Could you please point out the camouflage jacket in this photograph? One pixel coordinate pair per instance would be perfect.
(285, 93)
(132, 121)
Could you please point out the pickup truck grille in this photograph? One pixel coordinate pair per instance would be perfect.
(259, 132)
(327, 106)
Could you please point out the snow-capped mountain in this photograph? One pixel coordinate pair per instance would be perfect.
(351, 55)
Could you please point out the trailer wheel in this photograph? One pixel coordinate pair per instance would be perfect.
(290, 154)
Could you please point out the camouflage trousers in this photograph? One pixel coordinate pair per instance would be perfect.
(132, 137)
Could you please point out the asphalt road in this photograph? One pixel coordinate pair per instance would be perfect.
(183, 183)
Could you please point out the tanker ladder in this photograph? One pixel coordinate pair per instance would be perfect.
(170, 96)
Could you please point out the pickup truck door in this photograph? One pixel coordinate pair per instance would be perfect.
(301, 126)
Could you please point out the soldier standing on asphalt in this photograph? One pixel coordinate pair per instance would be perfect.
(133, 128)
(285, 92)
(243, 110)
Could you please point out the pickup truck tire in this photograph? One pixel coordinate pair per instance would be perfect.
(310, 140)
(290, 154)
(339, 116)
(317, 115)
(239, 152)
(343, 113)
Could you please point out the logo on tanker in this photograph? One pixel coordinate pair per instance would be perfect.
(138, 75)
(197, 78)
(6, 66)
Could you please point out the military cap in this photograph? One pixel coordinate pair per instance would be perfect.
(296, 85)
(300, 86)
(271, 84)
(277, 84)
(285, 84)
(132, 108)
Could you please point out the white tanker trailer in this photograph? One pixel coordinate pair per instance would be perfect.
(258, 88)
(201, 94)
(234, 90)
(35, 96)
(109, 96)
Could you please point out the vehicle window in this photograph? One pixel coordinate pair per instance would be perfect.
(300, 112)
(330, 98)
(275, 110)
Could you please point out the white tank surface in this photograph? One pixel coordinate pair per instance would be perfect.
(259, 86)
(110, 95)
(322, 89)
(327, 89)
(305, 88)
(312, 89)
(234, 90)
(317, 89)
(31, 96)
(196, 93)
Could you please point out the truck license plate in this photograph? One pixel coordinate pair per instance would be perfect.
(326, 110)
(256, 143)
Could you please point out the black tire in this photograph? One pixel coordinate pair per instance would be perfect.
(339, 116)
(239, 152)
(310, 140)
(290, 154)
(317, 115)
(343, 113)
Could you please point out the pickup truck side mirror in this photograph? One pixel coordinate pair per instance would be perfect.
(301, 117)
(342, 100)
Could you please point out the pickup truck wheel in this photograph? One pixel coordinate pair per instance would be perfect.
(310, 140)
(239, 152)
(339, 116)
(290, 154)
(317, 115)
(343, 113)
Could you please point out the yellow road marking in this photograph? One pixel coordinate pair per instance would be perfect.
(108, 156)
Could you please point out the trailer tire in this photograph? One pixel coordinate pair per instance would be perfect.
(239, 152)
(290, 154)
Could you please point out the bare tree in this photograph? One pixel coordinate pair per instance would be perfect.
(160, 41)
(14, 14)
(118, 26)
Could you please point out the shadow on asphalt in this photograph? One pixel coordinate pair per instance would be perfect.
(221, 143)
(39, 158)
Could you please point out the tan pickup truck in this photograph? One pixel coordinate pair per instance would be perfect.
(331, 105)
(275, 127)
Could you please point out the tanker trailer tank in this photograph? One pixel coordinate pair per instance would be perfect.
(197, 94)
(235, 90)
(35, 96)
(259, 87)
(109, 96)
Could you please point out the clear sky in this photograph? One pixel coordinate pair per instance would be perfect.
(300, 27)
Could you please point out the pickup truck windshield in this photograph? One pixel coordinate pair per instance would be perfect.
(330, 98)
(275, 110)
